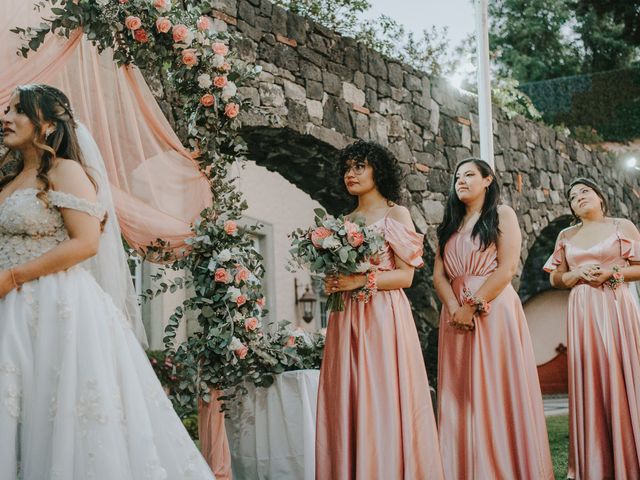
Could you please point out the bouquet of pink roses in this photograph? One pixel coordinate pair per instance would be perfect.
(336, 246)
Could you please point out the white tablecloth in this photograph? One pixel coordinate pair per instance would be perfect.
(272, 433)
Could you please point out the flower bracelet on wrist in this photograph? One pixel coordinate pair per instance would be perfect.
(369, 289)
(616, 279)
(482, 307)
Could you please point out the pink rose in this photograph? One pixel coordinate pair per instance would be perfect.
(162, 5)
(189, 57)
(132, 22)
(318, 235)
(242, 351)
(350, 227)
(242, 275)
(225, 67)
(141, 36)
(163, 24)
(241, 300)
(203, 23)
(291, 342)
(361, 296)
(220, 82)
(207, 100)
(250, 324)
(617, 275)
(230, 227)
(221, 276)
(355, 239)
(261, 302)
(220, 48)
(231, 110)
(122, 2)
(180, 33)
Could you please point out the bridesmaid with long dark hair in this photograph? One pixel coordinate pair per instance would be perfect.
(595, 259)
(490, 411)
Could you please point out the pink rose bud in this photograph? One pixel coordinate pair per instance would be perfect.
(132, 22)
(208, 100)
(180, 33)
(221, 275)
(122, 2)
(163, 25)
(241, 300)
(250, 324)
(141, 36)
(242, 352)
(189, 57)
(291, 342)
(355, 239)
(162, 5)
(225, 67)
(230, 227)
(231, 110)
(203, 23)
(220, 48)
(261, 302)
(220, 82)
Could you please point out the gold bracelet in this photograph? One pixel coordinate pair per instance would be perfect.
(13, 279)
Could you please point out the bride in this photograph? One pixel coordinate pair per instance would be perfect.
(78, 398)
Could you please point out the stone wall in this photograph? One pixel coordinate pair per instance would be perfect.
(319, 91)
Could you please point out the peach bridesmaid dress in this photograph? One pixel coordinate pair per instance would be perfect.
(603, 331)
(490, 411)
(375, 420)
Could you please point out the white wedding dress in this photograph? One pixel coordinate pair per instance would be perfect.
(78, 397)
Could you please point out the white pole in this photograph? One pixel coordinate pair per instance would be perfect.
(484, 82)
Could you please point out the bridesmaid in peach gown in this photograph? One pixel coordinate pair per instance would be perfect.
(490, 411)
(375, 420)
(603, 326)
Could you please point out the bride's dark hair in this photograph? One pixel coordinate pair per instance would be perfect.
(487, 225)
(44, 103)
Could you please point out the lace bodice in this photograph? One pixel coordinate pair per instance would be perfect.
(29, 227)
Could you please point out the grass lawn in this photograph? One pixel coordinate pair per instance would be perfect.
(558, 429)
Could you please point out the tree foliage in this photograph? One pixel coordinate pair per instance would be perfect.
(537, 40)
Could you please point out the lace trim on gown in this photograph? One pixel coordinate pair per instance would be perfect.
(66, 200)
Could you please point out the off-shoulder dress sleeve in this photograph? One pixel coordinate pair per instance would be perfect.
(630, 249)
(405, 243)
(66, 200)
(557, 257)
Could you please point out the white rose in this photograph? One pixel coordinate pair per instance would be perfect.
(235, 343)
(229, 91)
(234, 293)
(102, 3)
(224, 255)
(217, 61)
(331, 242)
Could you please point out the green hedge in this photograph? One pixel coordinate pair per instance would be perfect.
(606, 101)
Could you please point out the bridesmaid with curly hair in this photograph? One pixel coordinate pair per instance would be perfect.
(375, 419)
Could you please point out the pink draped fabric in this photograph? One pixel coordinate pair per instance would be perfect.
(375, 419)
(604, 365)
(157, 187)
(490, 413)
(213, 437)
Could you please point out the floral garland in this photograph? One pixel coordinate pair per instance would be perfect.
(225, 271)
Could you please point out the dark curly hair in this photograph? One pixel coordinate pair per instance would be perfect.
(386, 171)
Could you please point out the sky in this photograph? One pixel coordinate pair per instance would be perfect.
(416, 15)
